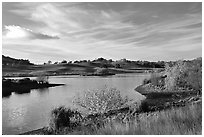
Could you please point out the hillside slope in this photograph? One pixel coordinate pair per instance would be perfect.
(20, 67)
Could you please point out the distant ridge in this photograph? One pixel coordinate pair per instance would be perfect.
(12, 61)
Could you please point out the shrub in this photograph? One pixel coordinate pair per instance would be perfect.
(144, 107)
(102, 71)
(146, 81)
(184, 74)
(62, 117)
(42, 79)
(155, 79)
(100, 101)
(194, 75)
(174, 74)
(179, 75)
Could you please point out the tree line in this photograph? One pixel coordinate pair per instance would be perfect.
(106, 63)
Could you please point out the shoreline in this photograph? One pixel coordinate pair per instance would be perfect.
(92, 74)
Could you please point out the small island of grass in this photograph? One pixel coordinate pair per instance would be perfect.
(24, 85)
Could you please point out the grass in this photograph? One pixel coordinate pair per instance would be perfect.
(180, 121)
(176, 121)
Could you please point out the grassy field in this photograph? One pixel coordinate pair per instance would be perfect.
(177, 121)
(62, 69)
(45, 69)
(180, 121)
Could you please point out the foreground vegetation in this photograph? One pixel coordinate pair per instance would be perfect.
(180, 120)
(173, 105)
(176, 114)
(177, 121)
(180, 76)
(100, 101)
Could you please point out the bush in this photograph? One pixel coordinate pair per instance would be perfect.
(155, 79)
(179, 75)
(100, 101)
(62, 117)
(194, 75)
(174, 74)
(184, 74)
(42, 79)
(146, 81)
(144, 107)
(102, 71)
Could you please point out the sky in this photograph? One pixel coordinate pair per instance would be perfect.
(77, 31)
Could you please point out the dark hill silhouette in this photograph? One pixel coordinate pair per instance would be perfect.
(12, 61)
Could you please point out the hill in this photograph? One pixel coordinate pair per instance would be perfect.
(8, 61)
(20, 67)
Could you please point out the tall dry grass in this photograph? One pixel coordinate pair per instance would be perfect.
(178, 121)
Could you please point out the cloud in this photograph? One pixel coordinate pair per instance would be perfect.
(105, 14)
(60, 18)
(17, 32)
(111, 28)
(128, 26)
(155, 16)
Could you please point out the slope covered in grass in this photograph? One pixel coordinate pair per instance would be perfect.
(178, 121)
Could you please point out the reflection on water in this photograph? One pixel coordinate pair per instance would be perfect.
(43, 91)
(25, 112)
(22, 92)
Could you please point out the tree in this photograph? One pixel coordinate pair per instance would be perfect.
(103, 65)
(110, 60)
(64, 62)
(117, 65)
(49, 62)
(76, 61)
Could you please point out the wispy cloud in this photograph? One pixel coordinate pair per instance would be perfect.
(111, 28)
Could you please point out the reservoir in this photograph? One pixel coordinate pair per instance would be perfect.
(29, 111)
